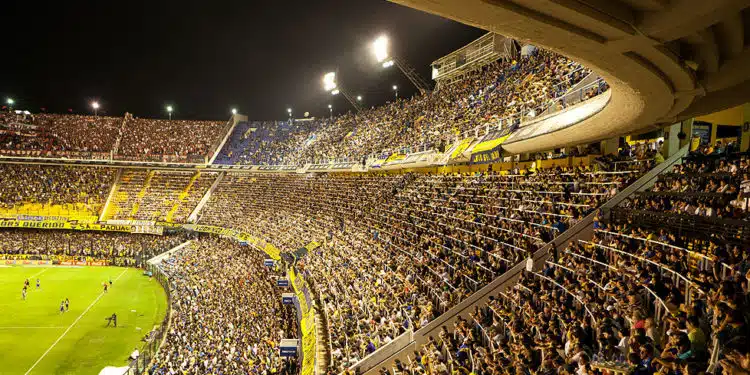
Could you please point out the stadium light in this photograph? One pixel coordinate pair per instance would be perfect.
(395, 88)
(388, 64)
(169, 110)
(95, 106)
(289, 111)
(335, 92)
(10, 101)
(380, 48)
(329, 81)
(359, 98)
(234, 111)
(330, 109)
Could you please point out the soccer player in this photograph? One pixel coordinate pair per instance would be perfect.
(26, 283)
(112, 319)
(105, 287)
(38, 283)
(62, 307)
(67, 304)
(23, 293)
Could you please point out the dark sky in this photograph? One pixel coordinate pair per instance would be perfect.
(205, 57)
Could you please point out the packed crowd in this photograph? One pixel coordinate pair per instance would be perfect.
(158, 195)
(100, 137)
(227, 313)
(54, 185)
(486, 97)
(174, 139)
(398, 250)
(637, 298)
(708, 187)
(121, 249)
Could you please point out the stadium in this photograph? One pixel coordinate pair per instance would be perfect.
(563, 188)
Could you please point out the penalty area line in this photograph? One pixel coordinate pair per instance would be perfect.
(70, 327)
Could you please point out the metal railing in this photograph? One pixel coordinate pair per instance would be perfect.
(156, 338)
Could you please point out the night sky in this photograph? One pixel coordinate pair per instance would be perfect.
(205, 57)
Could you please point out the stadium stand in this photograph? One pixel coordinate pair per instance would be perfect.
(173, 140)
(438, 237)
(499, 91)
(227, 314)
(158, 195)
(99, 137)
(121, 249)
(37, 190)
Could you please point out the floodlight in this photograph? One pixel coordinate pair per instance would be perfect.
(329, 81)
(395, 87)
(388, 64)
(234, 111)
(95, 105)
(169, 108)
(335, 91)
(10, 101)
(289, 110)
(359, 98)
(380, 48)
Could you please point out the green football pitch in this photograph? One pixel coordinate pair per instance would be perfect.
(36, 338)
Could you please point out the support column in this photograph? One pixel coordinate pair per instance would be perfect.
(745, 137)
(610, 146)
(687, 128)
(671, 141)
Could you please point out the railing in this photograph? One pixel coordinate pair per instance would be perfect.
(549, 108)
(157, 337)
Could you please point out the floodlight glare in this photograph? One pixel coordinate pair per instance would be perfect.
(329, 81)
(234, 111)
(335, 91)
(169, 108)
(95, 105)
(289, 110)
(388, 64)
(359, 98)
(330, 106)
(10, 101)
(395, 87)
(380, 48)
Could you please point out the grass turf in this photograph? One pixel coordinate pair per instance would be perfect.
(30, 328)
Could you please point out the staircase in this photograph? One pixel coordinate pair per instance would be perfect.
(183, 195)
(141, 194)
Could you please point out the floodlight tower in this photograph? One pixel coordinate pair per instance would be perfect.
(381, 50)
(169, 110)
(330, 85)
(95, 106)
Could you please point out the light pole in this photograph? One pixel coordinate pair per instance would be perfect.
(395, 88)
(330, 109)
(95, 106)
(289, 111)
(380, 49)
(169, 111)
(330, 85)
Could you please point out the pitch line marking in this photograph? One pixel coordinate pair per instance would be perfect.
(39, 273)
(50, 327)
(71, 326)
